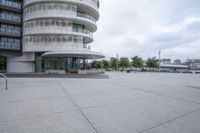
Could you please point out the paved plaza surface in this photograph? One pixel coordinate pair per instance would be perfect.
(115, 103)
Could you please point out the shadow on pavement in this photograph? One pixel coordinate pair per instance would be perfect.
(42, 75)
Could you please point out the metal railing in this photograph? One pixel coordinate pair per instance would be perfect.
(4, 76)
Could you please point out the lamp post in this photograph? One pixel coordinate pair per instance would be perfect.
(117, 63)
(159, 53)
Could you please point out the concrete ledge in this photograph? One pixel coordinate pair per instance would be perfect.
(93, 71)
(55, 71)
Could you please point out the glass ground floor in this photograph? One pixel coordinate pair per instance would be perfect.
(69, 64)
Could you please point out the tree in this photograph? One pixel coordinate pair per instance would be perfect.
(152, 62)
(124, 62)
(87, 66)
(96, 64)
(99, 65)
(137, 62)
(106, 64)
(114, 63)
(2, 62)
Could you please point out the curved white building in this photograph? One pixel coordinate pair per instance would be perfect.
(56, 34)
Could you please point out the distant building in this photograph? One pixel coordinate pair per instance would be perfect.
(173, 68)
(177, 62)
(166, 61)
(194, 64)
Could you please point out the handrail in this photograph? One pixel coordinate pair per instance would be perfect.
(4, 76)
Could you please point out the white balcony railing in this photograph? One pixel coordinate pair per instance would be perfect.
(58, 30)
(59, 14)
(92, 3)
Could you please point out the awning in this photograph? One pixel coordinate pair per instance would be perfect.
(78, 54)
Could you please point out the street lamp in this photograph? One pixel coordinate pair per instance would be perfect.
(117, 62)
(159, 53)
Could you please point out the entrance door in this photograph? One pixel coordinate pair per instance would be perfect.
(38, 62)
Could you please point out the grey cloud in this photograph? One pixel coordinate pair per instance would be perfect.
(193, 28)
(127, 27)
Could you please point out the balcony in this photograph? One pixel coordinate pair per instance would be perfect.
(10, 46)
(93, 3)
(10, 18)
(10, 32)
(9, 5)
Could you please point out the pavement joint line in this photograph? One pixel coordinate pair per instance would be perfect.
(34, 99)
(42, 115)
(174, 119)
(79, 109)
(88, 94)
(158, 94)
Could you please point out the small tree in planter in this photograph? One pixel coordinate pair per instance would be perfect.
(106, 64)
(2, 63)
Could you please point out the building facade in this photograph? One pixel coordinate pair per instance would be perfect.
(166, 61)
(194, 64)
(173, 68)
(177, 62)
(10, 27)
(56, 34)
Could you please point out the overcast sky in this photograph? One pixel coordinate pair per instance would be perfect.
(142, 27)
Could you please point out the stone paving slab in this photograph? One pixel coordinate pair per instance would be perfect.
(123, 117)
(188, 124)
(26, 109)
(63, 122)
(119, 103)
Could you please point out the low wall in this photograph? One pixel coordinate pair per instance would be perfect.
(93, 71)
(55, 71)
(80, 72)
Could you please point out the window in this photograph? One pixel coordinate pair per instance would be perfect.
(10, 16)
(63, 24)
(57, 23)
(53, 22)
(10, 43)
(8, 28)
(11, 3)
(46, 23)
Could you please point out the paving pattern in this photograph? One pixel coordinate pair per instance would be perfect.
(118, 103)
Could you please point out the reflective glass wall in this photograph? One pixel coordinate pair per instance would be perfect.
(68, 64)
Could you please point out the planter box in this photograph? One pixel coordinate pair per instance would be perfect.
(93, 71)
(55, 71)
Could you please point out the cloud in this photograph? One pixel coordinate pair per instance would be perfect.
(143, 27)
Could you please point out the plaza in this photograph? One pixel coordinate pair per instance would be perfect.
(110, 103)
